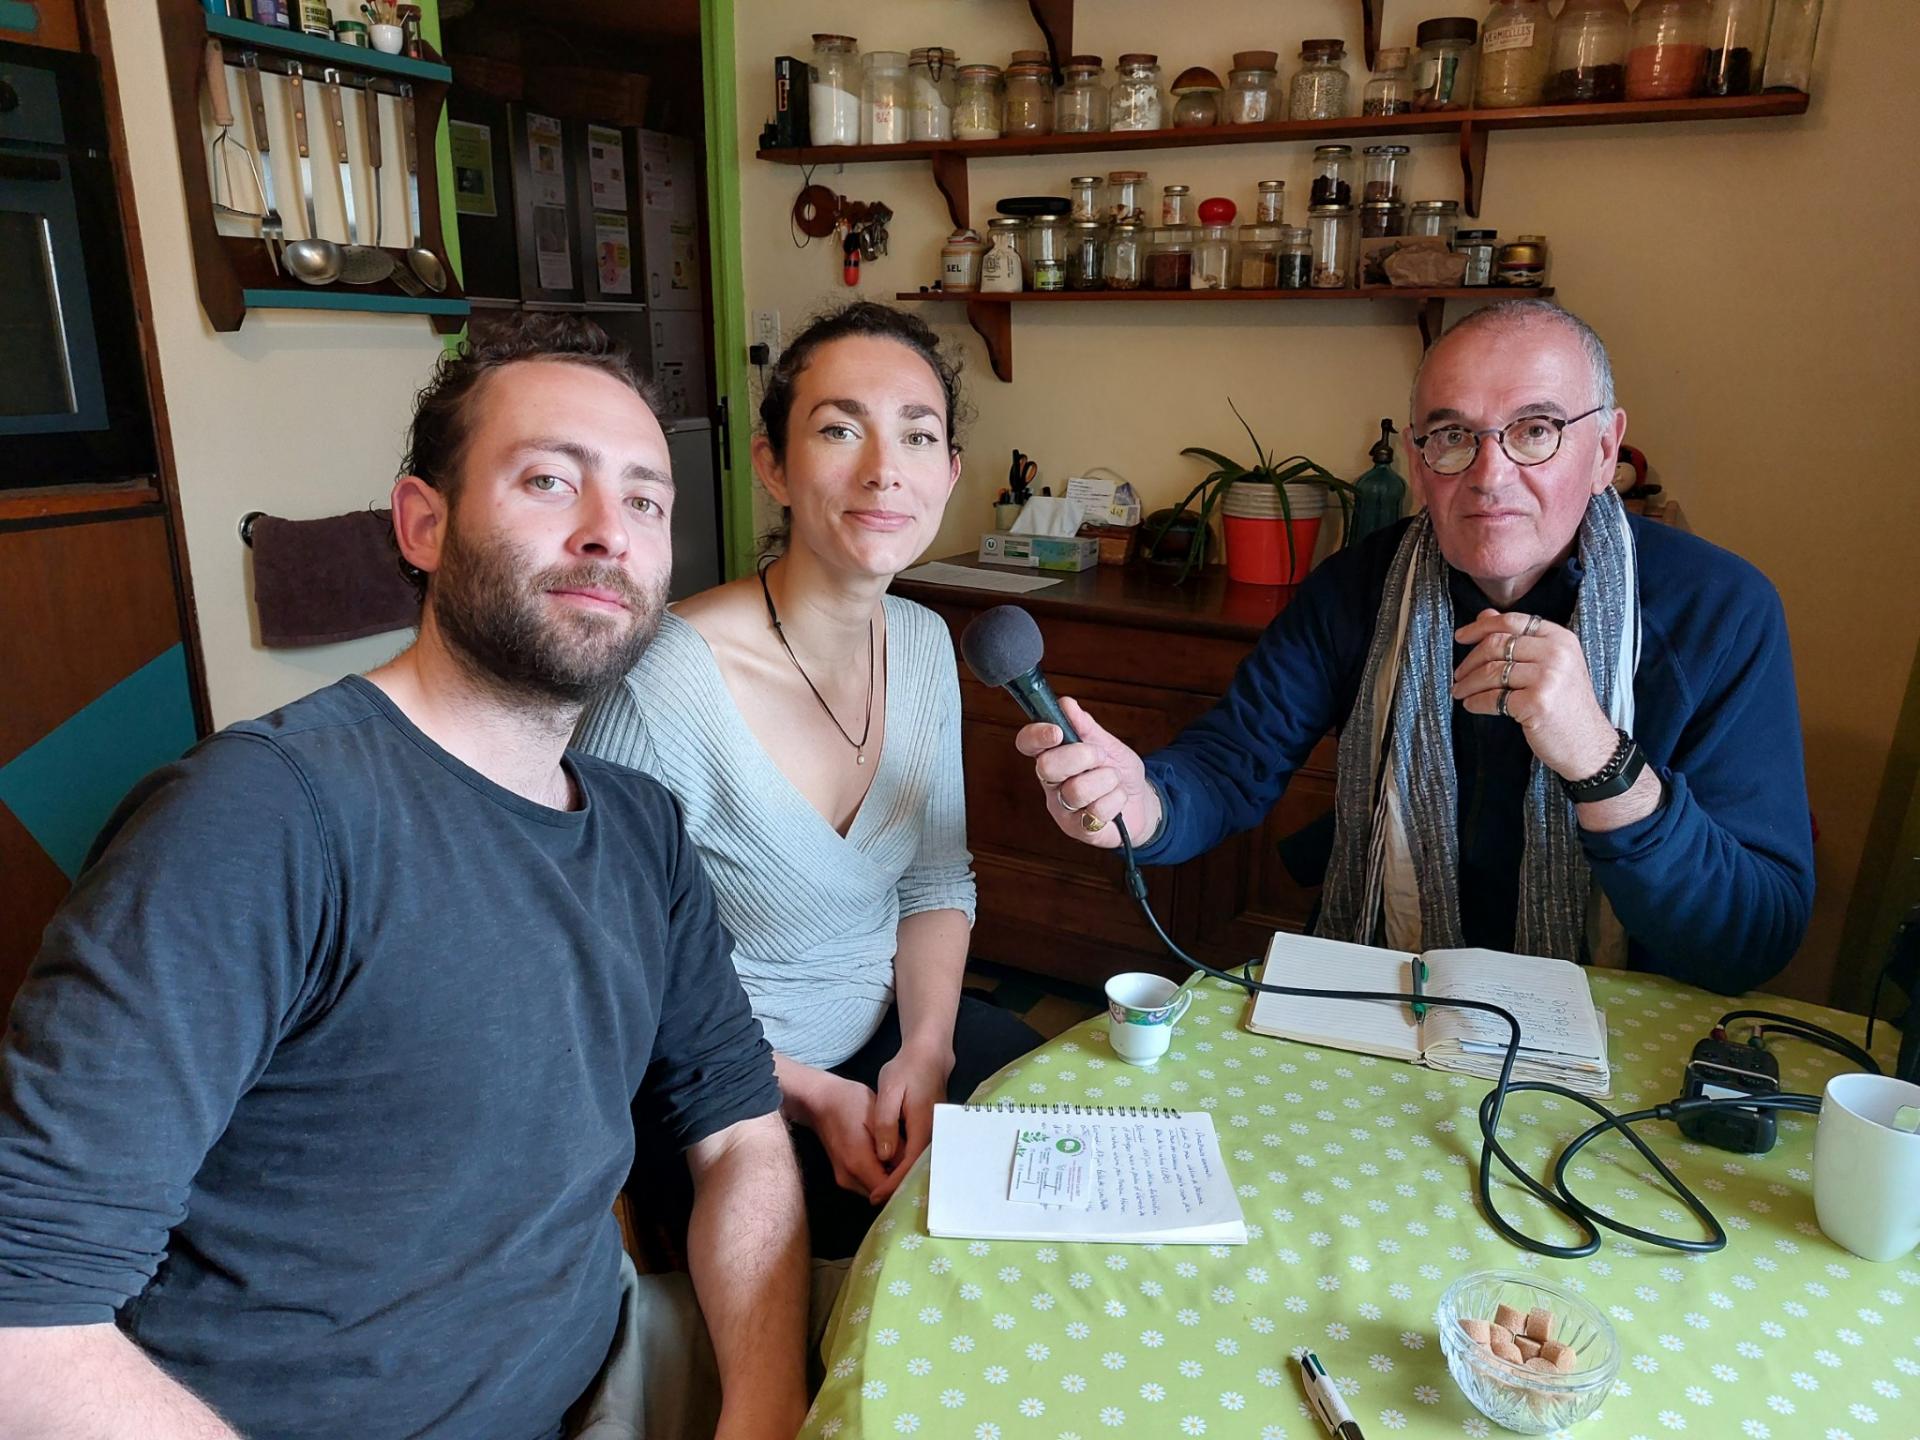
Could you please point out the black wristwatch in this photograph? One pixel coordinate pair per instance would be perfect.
(1616, 777)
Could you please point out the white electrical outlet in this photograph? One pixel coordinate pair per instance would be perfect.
(766, 330)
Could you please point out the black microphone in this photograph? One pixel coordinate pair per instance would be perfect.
(1002, 647)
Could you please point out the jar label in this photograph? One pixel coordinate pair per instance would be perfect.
(1508, 37)
(1049, 275)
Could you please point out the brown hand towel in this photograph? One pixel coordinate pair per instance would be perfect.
(318, 581)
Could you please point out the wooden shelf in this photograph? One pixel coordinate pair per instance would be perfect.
(949, 158)
(992, 314)
(363, 59)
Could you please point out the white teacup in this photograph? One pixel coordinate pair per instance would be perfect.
(1142, 1010)
(1866, 1174)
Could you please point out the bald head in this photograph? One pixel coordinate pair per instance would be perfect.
(1518, 320)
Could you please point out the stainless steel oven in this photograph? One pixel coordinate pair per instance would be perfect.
(73, 399)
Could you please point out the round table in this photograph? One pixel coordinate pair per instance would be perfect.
(1355, 1175)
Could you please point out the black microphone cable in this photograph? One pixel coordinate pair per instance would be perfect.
(1559, 1197)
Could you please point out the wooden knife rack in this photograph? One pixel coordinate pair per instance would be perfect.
(233, 272)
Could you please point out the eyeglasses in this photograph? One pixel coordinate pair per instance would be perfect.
(1530, 440)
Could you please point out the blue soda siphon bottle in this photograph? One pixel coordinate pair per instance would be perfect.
(1381, 493)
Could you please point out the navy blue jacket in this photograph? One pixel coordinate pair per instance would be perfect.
(1714, 888)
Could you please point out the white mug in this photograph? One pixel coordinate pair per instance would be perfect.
(1866, 1174)
(1142, 1010)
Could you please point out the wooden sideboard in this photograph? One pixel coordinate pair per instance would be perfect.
(1146, 657)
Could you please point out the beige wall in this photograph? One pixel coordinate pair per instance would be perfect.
(1751, 278)
(299, 415)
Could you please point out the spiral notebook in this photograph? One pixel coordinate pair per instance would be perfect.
(1111, 1174)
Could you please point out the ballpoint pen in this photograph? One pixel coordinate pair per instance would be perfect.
(1325, 1401)
(1419, 986)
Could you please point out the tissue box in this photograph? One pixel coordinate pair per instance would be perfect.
(1041, 552)
(1104, 502)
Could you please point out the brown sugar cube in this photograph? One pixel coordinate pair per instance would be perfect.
(1506, 1350)
(1550, 1349)
(1544, 1367)
(1498, 1334)
(1566, 1362)
(1539, 1324)
(1527, 1346)
(1477, 1331)
(1509, 1319)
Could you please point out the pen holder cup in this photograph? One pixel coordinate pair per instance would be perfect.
(1530, 1401)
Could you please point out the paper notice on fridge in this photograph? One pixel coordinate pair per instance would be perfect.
(606, 168)
(471, 147)
(552, 253)
(1050, 1167)
(548, 178)
(613, 252)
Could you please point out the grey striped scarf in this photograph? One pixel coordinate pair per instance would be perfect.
(1396, 796)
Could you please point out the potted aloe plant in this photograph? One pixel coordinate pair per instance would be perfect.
(1272, 511)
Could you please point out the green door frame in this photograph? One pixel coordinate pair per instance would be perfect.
(733, 388)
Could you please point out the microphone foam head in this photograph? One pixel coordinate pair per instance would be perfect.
(1000, 644)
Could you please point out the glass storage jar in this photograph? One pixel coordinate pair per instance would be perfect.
(1086, 255)
(1434, 217)
(1083, 198)
(1796, 23)
(1028, 104)
(1272, 206)
(960, 262)
(833, 94)
(1385, 166)
(1589, 53)
(1332, 175)
(1080, 105)
(1170, 262)
(1135, 103)
(1667, 55)
(1127, 196)
(977, 104)
(1736, 45)
(1257, 261)
(1390, 91)
(1319, 89)
(1176, 205)
(1332, 233)
(1002, 270)
(1516, 45)
(1126, 256)
(1213, 251)
(1441, 77)
(1522, 262)
(1253, 94)
(884, 103)
(1046, 253)
(1296, 257)
(1480, 247)
(930, 94)
(1380, 219)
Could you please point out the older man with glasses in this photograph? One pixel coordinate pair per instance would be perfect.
(1564, 730)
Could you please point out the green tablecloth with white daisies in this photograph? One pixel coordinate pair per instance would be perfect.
(1356, 1176)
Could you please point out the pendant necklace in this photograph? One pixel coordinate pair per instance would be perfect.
(773, 615)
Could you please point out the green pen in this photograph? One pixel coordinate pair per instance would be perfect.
(1419, 986)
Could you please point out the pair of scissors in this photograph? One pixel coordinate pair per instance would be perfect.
(1020, 476)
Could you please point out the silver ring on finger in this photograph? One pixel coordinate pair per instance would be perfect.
(1533, 624)
(1060, 795)
(1506, 674)
(1512, 640)
(1504, 693)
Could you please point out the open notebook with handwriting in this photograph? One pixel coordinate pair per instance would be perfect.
(1563, 1039)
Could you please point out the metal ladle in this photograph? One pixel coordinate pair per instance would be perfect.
(311, 259)
(423, 261)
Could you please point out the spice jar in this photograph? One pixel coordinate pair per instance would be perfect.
(1253, 88)
(1332, 175)
(1273, 202)
(1086, 255)
(1434, 217)
(1196, 99)
(1319, 90)
(1516, 46)
(1046, 253)
(960, 262)
(1384, 165)
(1523, 262)
(1213, 252)
(1382, 218)
(1135, 103)
(1174, 205)
(1390, 91)
(833, 94)
(1480, 248)
(1083, 196)
(1127, 196)
(884, 99)
(1002, 270)
(930, 93)
(1296, 257)
(1736, 45)
(1796, 23)
(1170, 262)
(1589, 53)
(1258, 264)
(1446, 55)
(1331, 227)
(1126, 256)
(1667, 56)
(1028, 104)
(1080, 105)
(977, 104)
